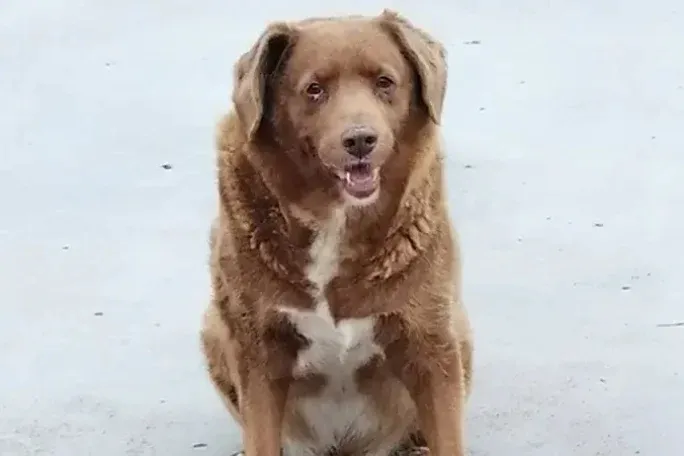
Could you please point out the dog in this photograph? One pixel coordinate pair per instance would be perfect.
(336, 324)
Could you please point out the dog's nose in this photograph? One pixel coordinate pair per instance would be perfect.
(359, 141)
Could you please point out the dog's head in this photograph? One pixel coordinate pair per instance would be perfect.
(337, 95)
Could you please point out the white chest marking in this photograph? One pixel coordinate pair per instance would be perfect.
(335, 350)
(325, 252)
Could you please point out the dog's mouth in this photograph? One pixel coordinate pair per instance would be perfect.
(360, 180)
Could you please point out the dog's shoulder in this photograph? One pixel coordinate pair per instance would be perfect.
(421, 228)
(250, 227)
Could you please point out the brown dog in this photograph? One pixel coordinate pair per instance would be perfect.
(336, 325)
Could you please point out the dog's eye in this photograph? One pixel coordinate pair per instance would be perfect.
(314, 90)
(383, 82)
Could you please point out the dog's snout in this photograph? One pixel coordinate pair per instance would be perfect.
(359, 141)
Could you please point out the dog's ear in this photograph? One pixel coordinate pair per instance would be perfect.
(427, 56)
(254, 72)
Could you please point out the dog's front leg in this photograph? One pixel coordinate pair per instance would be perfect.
(439, 404)
(263, 404)
(432, 370)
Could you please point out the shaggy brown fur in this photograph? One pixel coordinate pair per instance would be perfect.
(281, 166)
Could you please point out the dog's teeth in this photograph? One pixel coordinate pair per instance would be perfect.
(347, 177)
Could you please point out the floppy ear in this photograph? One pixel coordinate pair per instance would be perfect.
(427, 55)
(253, 74)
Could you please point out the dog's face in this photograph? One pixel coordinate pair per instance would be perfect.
(337, 94)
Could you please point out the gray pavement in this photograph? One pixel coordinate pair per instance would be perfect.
(564, 126)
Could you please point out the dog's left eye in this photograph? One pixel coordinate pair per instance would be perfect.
(314, 90)
(383, 82)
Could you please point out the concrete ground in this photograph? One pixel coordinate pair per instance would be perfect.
(565, 134)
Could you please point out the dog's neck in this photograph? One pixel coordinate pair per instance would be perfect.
(359, 237)
(282, 221)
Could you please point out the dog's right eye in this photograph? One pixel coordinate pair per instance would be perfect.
(384, 83)
(314, 90)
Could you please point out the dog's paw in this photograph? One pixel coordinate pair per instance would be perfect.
(418, 451)
(411, 450)
(242, 453)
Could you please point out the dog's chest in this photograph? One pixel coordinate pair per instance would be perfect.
(336, 350)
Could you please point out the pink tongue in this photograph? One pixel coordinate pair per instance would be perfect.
(360, 177)
(360, 182)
